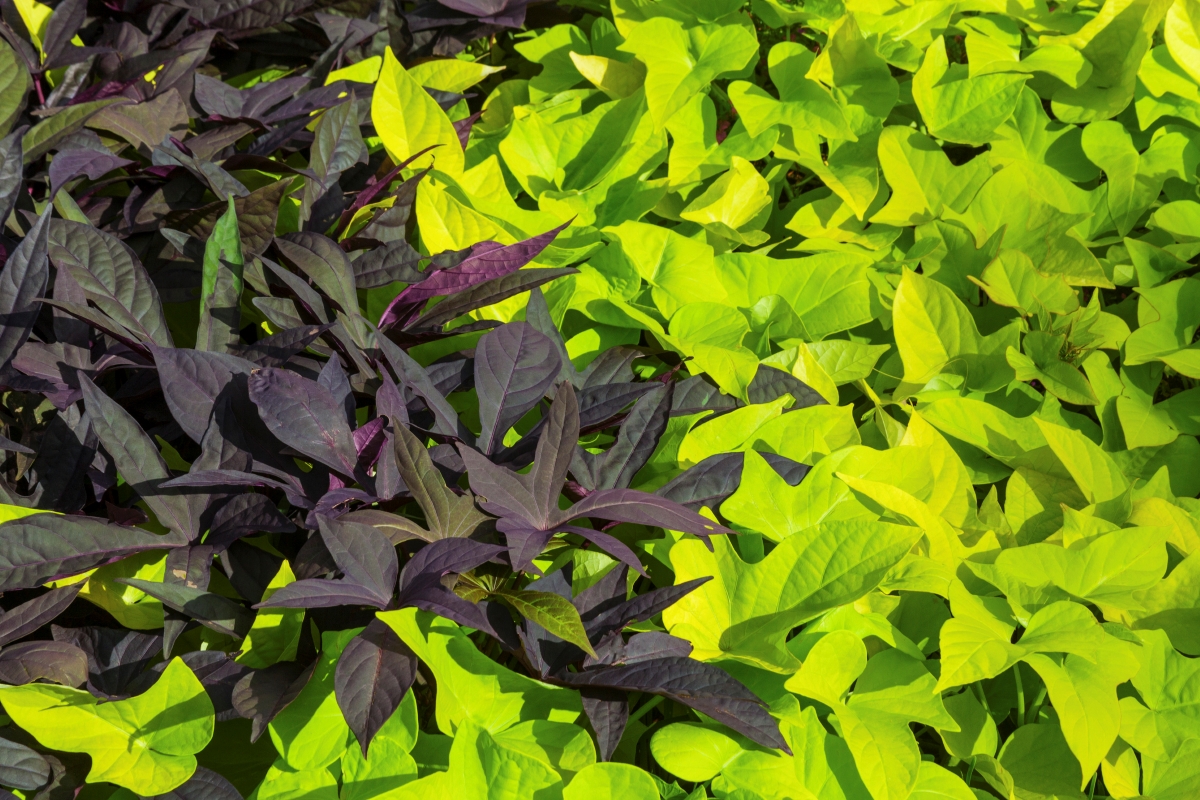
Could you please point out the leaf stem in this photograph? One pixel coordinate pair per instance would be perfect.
(971, 769)
(1092, 786)
(1032, 714)
(645, 707)
(1020, 696)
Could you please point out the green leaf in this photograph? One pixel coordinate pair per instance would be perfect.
(612, 782)
(692, 751)
(274, 635)
(554, 613)
(803, 103)
(47, 134)
(311, 733)
(471, 687)
(221, 289)
(680, 63)
(746, 612)
(936, 333)
(923, 179)
(958, 106)
(147, 743)
(409, 120)
(14, 87)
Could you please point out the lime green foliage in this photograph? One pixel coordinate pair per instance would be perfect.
(147, 743)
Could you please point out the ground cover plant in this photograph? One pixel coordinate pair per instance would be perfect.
(645, 399)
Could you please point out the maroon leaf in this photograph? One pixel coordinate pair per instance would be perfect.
(372, 676)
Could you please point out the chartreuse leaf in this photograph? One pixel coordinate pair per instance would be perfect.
(221, 290)
(923, 179)
(311, 733)
(746, 612)
(471, 687)
(409, 120)
(803, 103)
(612, 782)
(1114, 42)
(680, 63)
(552, 612)
(146, 743)
(692, 751)
(275, 633)
(388, 763)
(958, 106)
(936, 333)
(889, 690)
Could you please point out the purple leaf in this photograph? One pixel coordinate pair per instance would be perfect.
(203, 785)
(641, 607)
(488, 260)
(243, 515)
(44, 547)
(264, 693)
(514, 366)
(191, 381)
(213, 611)
(28, 617)
(115, 657)
(641, 508)
(443, 557)
(463, 128)
(364, 555)
(698, 685)
(372, 676)
(70, 164)
(56, 662)
(608, 712)
(22, 767)
(320, 593)
(22, 282)
(305, 416)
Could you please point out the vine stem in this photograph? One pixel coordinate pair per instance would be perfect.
(1020, 696)
(646, 707)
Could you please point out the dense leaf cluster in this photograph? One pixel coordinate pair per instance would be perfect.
(635, 399)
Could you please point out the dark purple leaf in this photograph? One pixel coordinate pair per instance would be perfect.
(608, 712)
(708, 483)
(373, 674)
(320, 593)
(278, 349)
(56, 662)
(414, 378)
(609, 544)
(262, 694)
(191, 381)
(640, 608)
(698, 685)
(514, 367)
(64, 23)
(243, 515)
(333, 377)
(211, 610)
(203, 785)
(305, 416)
(364, 555)
(640, 508)
(12, 167)
(14, 447)
(488, 261)
(115, 657)
(45, 547)
(22, 767)
(770, 384)
(443, 557)
(463, 128)
(655, 644)
(190, 567)
(552, 458)
(636, 441)
(447, 515)
(70, 164)
(525, 542)
(395, 261)
(41, 610)
(22, 282)
(485, 294)
(140, 464)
